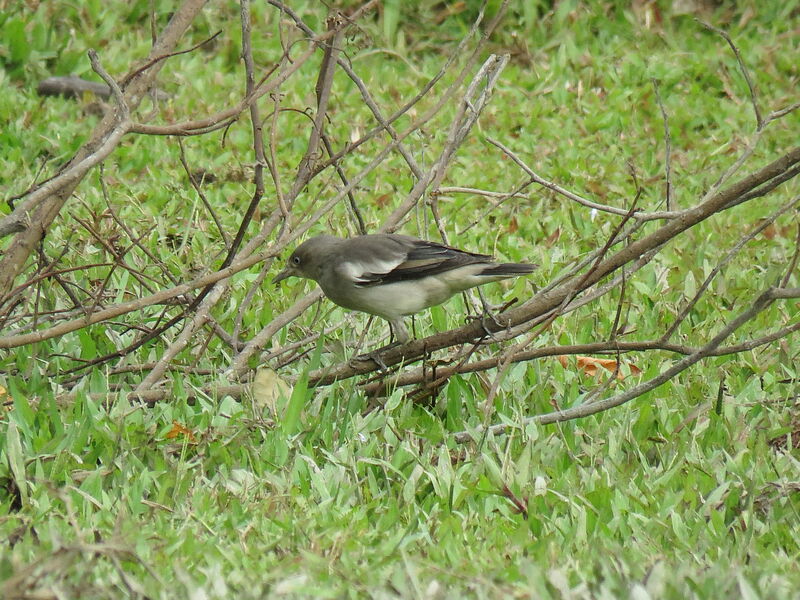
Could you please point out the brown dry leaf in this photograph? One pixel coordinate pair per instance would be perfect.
(5, 399)
(270, 391)
(772, 231)
(596, 188)
(551, 239)
(178, 429)
(591, 366)
(453, 9)
(513, 225)
(747, 15)
(382, 200)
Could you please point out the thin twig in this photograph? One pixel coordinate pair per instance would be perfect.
(162, 57)
(777, 114)
(639, 215)
(732, 253)
(667, 144)
(196, 185)
(544, 302)
(305, 170)
(585, 410)
(122, 106)
(752, 88)
(792, 263)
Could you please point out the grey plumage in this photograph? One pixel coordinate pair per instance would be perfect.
(392, 275)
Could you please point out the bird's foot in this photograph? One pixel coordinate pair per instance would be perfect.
(374, 356)
(482, 320)
(357, 361)
(489, 313)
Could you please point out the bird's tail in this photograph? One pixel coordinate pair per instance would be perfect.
(508, 269)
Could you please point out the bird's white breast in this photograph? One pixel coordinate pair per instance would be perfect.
(401, 298)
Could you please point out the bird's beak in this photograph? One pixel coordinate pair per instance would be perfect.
(287, 272)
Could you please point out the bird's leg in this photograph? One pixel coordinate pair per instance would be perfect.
(374, 356)
(488, 308)
(399, 332)
(487, 313)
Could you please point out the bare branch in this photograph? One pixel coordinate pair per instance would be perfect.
(305, 169)
(157, 59)
(752, 88)
(122, 105)
(196, 185)
(584, 410)
(667, 145)
(782, 112)
(544, 302)
(13, 341)
(724, 262)
(534, 178)
(49, 199)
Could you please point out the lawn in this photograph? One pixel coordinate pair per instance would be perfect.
(692, 490)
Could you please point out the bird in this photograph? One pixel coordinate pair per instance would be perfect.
(392, 275)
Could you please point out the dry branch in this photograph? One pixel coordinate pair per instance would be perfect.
(16, 340)
(491, 68)
(544, 302)
(587, 409)
(513, 331)
(46, 202)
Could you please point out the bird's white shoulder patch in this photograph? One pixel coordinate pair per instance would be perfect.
(355, 270)
(351, 271)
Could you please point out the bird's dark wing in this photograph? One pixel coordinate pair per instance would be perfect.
(391, 258)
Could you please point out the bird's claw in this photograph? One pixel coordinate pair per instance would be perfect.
(373, 356)
(482, 320)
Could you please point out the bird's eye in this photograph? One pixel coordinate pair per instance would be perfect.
(295, 260)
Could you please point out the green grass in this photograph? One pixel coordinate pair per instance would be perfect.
(676, 495)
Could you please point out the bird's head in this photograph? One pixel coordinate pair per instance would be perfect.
(308, 258)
